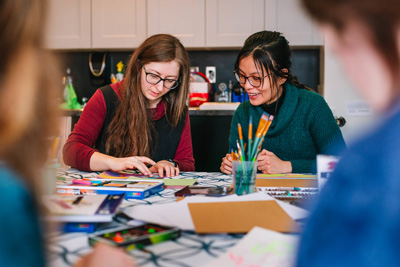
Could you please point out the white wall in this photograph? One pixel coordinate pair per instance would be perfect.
(339, 94)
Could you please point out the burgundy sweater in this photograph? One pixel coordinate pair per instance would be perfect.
(79, 147)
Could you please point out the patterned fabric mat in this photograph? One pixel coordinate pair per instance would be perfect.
(190, 249)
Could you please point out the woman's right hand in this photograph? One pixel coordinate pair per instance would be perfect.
(226, 165)
(136, 162)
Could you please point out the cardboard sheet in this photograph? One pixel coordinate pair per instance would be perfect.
(240, 217)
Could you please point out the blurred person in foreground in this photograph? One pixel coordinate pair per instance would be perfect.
(28, 116)
(357, 219)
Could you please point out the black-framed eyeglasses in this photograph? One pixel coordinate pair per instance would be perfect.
(153, 78)
(253, 80)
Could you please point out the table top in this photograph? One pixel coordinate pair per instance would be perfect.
(190, 249)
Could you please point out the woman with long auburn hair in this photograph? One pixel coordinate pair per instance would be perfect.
(141, 120)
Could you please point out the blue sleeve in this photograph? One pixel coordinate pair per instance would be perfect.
(21, 243)
(356, 221)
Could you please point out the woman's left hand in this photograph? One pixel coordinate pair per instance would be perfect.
(165, 166)
(269, 163)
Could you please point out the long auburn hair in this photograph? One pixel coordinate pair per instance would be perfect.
(29, 89)
(129, 133)
(271, 52)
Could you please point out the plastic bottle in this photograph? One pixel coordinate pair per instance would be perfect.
(230, 89)
(67, 81)
(70, 98)
(119, 75)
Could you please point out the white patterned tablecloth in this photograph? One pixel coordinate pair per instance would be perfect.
(190, 249)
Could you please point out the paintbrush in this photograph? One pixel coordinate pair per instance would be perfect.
(241, 142)
(264, 133)
(250, 138)
(260, 128)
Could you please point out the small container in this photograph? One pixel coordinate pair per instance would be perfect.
(244, 177)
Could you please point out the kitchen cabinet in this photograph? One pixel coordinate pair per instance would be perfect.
(184, 19)
(83, 24)
(230, 22)
(288, 17)
(118, 23)
(124, 24)
(68, 24)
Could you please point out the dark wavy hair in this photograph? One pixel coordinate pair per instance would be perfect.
(271, 53)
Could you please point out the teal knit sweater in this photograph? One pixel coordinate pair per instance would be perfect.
(303, 128)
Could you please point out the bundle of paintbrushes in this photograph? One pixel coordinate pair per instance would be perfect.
(253, 145)
(245, 164)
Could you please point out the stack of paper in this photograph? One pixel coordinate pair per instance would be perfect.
(85, 208)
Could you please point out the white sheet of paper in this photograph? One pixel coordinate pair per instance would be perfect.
(260, 247)
(177, 213)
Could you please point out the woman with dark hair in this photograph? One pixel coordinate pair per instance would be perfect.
(303, 125)
(357, 219)
(140, 119)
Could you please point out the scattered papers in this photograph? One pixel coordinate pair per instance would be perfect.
(260, 247)
(81, 208)
(179, 214)
(136, 175)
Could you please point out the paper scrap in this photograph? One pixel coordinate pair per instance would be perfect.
(260, 247)
(169, 181)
